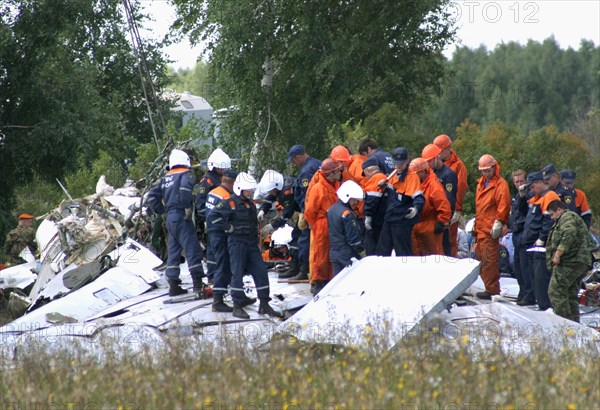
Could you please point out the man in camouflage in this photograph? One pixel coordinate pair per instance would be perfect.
(569, 257)
(23, 236)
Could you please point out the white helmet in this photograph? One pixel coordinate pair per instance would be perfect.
(243, 182)
(282, 236)
(470, 225)
(218, 159)
(271, 180)
(350, 189)
(178, 157)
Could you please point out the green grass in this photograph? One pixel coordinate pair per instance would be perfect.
(188, 373)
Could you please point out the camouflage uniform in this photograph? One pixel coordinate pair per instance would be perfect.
(569, 234)
(16, 241)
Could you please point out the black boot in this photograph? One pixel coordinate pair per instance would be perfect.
(239, 312)
(265, 309)
(175, 288)
(247, 301)
(219, 306)
(303, 275)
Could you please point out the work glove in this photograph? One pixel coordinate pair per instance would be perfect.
(455, 217)
(439, 227)
(523, 190)
(230, 229)
(368, 223)
(302, 224)
(412, 212)
(383, 184)
(362, 254)
(294, 219)
(261, 216)
(188, 214)
(539, 242)
(496, 229)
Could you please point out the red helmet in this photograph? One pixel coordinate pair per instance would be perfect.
(417, 164)
(430, 152)
(442, 141)
(486, 162)
(25, 216)
(340, 153)
(329, 165)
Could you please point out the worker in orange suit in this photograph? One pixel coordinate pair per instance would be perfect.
(492, 207)
(427, 234)
(355, 167)
(341, 155)
(452, 161)
(320, 197)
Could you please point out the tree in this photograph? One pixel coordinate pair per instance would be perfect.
(70, 88)
(293, 69)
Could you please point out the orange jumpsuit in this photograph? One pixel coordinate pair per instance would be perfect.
(437, 209)
(491, 203)
(459, 168)
(355, 168)
(319, 199)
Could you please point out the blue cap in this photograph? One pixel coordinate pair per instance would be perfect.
(230, 173)
(535, 176)
(400, 155)
(548, 171)
(295, 150)
(568, 175)
(369, 162)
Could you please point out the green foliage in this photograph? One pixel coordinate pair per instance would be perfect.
(37, 197)
(295, 69)
(194, 80)
(83, 182)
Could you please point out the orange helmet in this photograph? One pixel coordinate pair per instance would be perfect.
(340, 153)
(329, 165)
(430, 152)
(486, 162)
(417, 164)
(25, 216)
(442, 141)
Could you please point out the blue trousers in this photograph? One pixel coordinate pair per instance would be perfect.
(182, 236)
(520, 268)
(304, 247)
(541, 278)
(397, 237)
(221, 266)
(245, 257)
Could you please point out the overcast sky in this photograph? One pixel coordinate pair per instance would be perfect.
(480, 22)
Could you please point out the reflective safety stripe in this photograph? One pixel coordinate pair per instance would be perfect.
(416, 194)
(195, 266)
(399, 197)
(172, 267)
(374, 193)
(217, 220)
(263, 287)
(184, 189)
(586, 212)
(211, 262)
(237, 289)
(355, 243)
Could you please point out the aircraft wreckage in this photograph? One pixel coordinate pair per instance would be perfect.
(93, 280)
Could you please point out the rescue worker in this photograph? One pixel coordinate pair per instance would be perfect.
(384, 159)
(345, 237)
(239, 214)
(23, 236)
(568, 257)
(427, 234)
(173, 196)
(405, 201)
(355, 167)
(271, 184)
(217, 163)
(568, 178)
(448, 179)
(566, 194)
(452, 161)
(375, 204)
(516, 223)
(279, 251)
(216, 228)
(492, 207)
(320, 198)
(535, 233)
(308, 167)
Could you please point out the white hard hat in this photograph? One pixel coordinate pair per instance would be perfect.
(282, 236)
(350, 189)
(271, 180)
(219, 159)
(470, 226)
(243, 182)
(178, 157)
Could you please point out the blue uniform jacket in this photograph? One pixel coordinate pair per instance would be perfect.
(310, 166)
(173, 193)
(537, 225)
(384, 160)
(207, 183)
(344, 230)
(449, 181)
